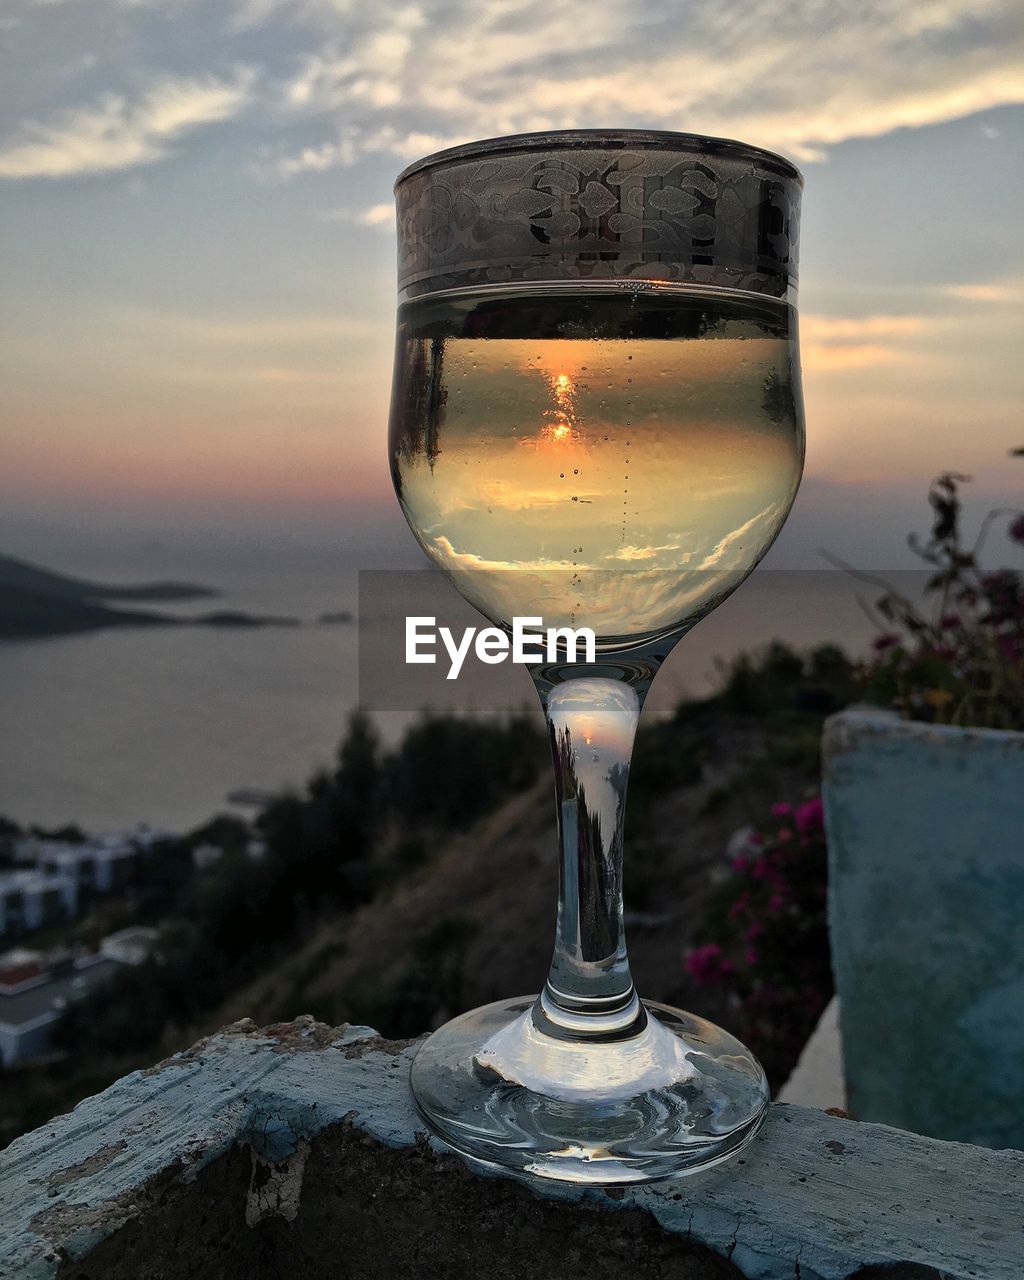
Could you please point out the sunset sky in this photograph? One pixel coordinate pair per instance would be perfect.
(198, 242)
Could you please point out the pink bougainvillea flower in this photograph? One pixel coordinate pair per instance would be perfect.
(704, 964)
(809, 816)
(740, 905)
(754, 931)
(781, 809)
(881, 643)
(740, 863)
(785, 834)
(751, 956)
(775, 903)
(761, 868)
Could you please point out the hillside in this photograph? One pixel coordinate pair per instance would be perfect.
(27, 615)
(37, 602)
(21, 576)
(476, 922)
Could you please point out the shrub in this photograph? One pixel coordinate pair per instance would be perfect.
(767, 937)
(957, 658)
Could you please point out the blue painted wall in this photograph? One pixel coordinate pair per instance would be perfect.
(926, 913)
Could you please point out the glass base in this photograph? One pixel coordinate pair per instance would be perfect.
(674, 1096)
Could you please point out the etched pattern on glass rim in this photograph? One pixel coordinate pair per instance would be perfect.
(722, 216)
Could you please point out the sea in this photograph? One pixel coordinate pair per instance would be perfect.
(160, 726)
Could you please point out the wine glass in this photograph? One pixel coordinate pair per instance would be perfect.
(596, 420)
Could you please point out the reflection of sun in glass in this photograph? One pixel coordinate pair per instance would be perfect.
(563, 416)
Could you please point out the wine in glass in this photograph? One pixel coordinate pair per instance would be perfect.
(596, 420)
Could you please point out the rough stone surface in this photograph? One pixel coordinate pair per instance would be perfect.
(926, 885)
(297, 1151)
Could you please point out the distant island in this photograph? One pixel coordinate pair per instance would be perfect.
(37, 602)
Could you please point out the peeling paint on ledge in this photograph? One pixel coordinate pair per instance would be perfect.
(830, 1194)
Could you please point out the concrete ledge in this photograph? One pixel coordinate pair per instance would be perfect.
(296, 1150)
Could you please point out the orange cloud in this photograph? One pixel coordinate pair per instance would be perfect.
(833, 343)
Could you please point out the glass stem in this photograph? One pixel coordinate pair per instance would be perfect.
(591, 722)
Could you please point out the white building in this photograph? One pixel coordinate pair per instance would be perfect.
(129, 946)
(101, 864)
(31, 899)
(144, 836)
(29, 1010)
(256, 849)
(205, 855)
(18, 966)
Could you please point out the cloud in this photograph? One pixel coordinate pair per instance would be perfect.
(764, 520)
(328, 155)
(632, 552)
(850, 355)
(834, 343)
(371, 72)
(830, 343)
(797, 75)
(1010, 292)
(820, 328)
(381, 216)
(266, 331)
(113, 133)
(444, 552)
(377, 215)
(351, 145)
